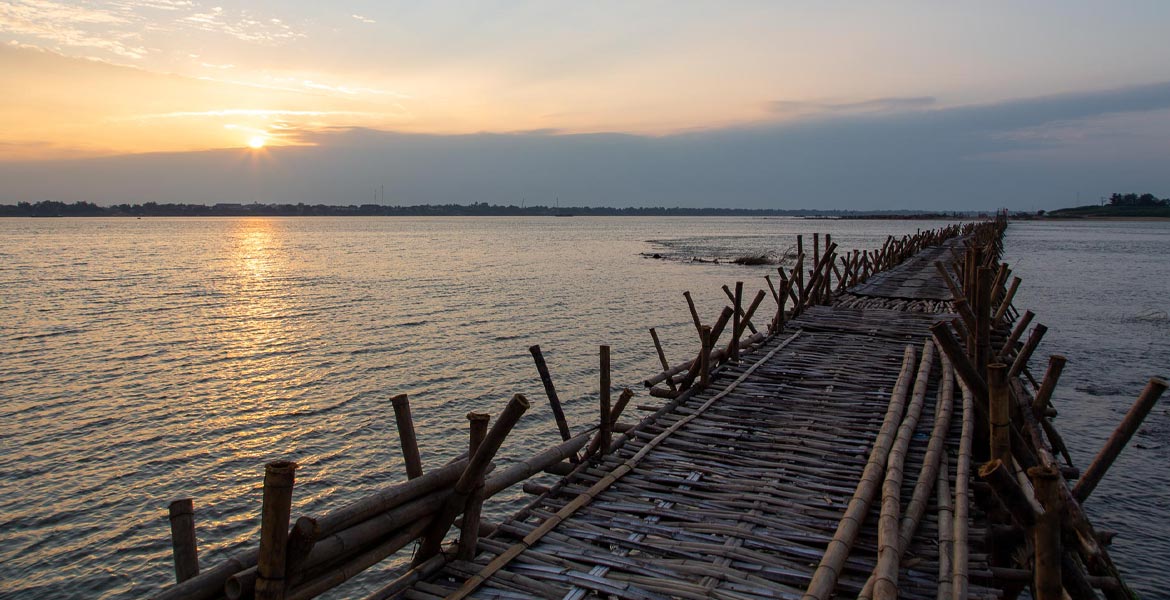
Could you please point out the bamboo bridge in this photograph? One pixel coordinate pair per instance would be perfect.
(879, 434)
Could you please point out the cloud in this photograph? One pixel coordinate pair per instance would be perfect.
(71, 26)
(363, 19)
(791, 107)
(1025, 154)
(243, 26)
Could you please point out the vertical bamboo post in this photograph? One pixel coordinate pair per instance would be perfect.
(279, 477)
(816, 250)
(733, 352)
(1046, 534)
(1021, 360)
(798, 275)
(469, 530)
(1121, 436)
(182, 514)
(406, 435)
(705, 357)
(661, 359)
(554, 401)
(1000, 412)
(606, 427)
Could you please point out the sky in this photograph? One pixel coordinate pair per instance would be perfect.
(914, 105)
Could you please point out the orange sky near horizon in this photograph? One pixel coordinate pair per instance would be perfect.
(134, 76)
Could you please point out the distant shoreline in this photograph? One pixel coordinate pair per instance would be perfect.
(151, 209)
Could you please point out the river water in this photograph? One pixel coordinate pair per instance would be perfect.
(147, 360)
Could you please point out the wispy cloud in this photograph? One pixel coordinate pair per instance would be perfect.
(875, 105)
(363, 19)
(243, 112)
(71, 26)
(242, 25)
(123, 28)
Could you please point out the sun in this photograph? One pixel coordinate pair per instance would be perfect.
(256, 142)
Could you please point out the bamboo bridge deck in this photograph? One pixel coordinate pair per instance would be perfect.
(819, 463)
(736, 491)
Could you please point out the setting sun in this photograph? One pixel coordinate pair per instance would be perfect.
(256, 142)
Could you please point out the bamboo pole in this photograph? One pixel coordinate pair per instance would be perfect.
(889, 522)
(662, 360)
(705, 357)
(278, 487)
(824, 579)
(616, 412)
(183, 546)
(1046, 534)
(436, 530)
(406, 435)
(1021, 360)
(1009, 345)
(605, 425)
(1121, 436)
(983, 319)
(1043, 397)
(927, 477)
(550, 391)
(1000, 413)
(469, 529)
(409, 578)
(209, 583)
(737, 305)
(1007, 301)
(351, 567)
(960, 555)
(383, 500)
(694, 313)
(946, 530)
(956, 293)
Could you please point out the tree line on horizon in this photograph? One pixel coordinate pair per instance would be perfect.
(50, 208)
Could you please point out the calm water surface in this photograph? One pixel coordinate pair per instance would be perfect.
(147, 360)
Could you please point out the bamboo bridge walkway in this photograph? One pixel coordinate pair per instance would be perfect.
(737, 491)
(881, 437)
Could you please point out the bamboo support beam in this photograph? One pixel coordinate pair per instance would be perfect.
(661, 359)
(406, 435)
(1009, 346)
(275, 513)
(550, 390)
(183, 545)
(694, 313)
(1021, 360)
(1121, 436)
(1007, 301)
